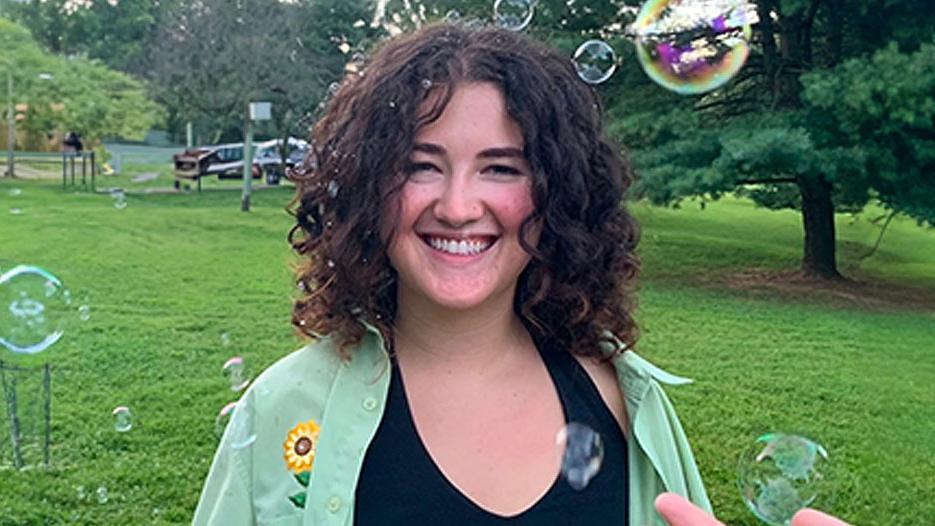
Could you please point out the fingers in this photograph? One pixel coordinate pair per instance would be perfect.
(679, 512)
(810, 517)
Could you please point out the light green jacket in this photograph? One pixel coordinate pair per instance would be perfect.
(250, 482)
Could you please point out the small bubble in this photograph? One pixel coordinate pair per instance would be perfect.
(582, 454)
(120, 200)
(123, 419)
(81, 493)
(225, 339)
(330, 263)
(102, 495)
(426, 84)
(333, 88)
(452, 17)
(333, 188)
(236, 373)
(241, 435)
(392, 104)
(16, 211)
(474, 24)
(595, 61)
(514, 15)
(14, 192)
(84, 313)
(223, 418)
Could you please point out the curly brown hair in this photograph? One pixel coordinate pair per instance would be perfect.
(578, 288)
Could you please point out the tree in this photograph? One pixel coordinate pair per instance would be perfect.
(112, 31)
(209, 58)
(782, 132)
(73, 94)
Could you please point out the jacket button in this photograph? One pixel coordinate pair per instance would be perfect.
(370, 403)
(334, 504)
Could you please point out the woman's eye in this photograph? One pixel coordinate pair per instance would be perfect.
(502, 169)
(421, 167)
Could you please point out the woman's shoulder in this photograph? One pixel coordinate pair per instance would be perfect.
(317, 359)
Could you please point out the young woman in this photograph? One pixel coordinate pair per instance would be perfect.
(468, 285)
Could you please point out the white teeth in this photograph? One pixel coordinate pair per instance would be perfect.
(463, 248)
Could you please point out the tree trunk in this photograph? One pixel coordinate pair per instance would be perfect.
(818, 220)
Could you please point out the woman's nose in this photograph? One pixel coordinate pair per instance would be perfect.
(459, 202)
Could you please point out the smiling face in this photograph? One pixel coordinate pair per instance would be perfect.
(467, 191)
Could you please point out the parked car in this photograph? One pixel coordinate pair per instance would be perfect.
(226, 160)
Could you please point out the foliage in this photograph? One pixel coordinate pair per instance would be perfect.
(73, 93)
(880, 110)
(113, 31)
(169, 274)
(208, 59)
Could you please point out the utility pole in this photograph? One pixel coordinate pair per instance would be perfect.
(247, 162)
(256, 111)
(10, 122)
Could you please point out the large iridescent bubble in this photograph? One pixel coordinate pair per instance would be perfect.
(781, 474)
(693, 46)
(35, 308)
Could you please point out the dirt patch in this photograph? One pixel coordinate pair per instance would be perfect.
(853, 292)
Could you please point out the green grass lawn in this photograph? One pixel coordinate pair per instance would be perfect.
(169, 274)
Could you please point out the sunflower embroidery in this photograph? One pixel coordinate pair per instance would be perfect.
(299, 447)
(299, 453)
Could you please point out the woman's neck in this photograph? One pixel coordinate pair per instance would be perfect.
(483, 340)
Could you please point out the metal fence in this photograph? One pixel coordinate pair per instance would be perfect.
(124, 154)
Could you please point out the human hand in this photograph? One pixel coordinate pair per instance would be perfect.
(679, 512)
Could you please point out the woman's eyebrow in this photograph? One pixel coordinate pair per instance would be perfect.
(429, 148)
(497, 152)
(507, 151)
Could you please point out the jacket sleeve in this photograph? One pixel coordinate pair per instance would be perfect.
(660, 456)
(227, 496)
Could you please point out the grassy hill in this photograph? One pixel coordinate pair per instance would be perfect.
(849, 365)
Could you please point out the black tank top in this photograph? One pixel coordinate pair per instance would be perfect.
(401, 485)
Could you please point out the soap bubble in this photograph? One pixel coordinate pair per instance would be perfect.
(693, 46)
(16, 211)
(781, 474)
(120, 199)
(123, 419)
(225, 339)
(582, 454)
(14, 192)
(514, 15)
(223, 418)
(241, 435)
(452, 17)
(102, 495)
(595, 61)
(84, 313)
(35, 308)
(236, 373)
